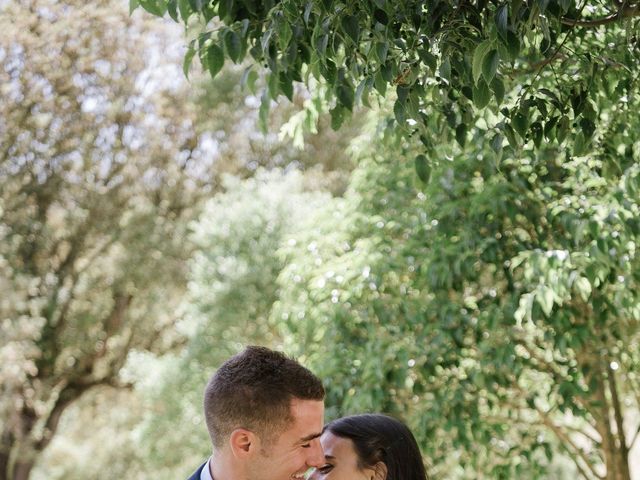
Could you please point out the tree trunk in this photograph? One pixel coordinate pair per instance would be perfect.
(4, 465)
(18, 457)
(609, 425)
(22, 470)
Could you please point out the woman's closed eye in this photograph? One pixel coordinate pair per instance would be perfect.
(326, 468)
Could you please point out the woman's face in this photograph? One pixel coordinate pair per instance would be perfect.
(341, 460)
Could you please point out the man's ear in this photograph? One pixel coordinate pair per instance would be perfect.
(242, 442)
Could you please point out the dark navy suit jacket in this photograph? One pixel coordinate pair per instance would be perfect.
(196, 474)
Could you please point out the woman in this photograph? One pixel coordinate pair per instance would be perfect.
(369, 447)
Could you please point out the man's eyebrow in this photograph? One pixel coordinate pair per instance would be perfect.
(329, 457)
(310, 437)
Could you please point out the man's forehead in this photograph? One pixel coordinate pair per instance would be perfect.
(308, 418)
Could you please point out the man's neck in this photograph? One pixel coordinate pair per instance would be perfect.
(222, 468)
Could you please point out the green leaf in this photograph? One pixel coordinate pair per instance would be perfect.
(153, 6)
(481, 94)
(554, 98)
(580, 145)
(133, 4)
(402, 92)
(273, 84)
(381, 51)
(329, 71)
(286, 85)
(511, 136)
(490, 65)
(307, 12)
(562, 129)
(263, 112)
(583, 287)
(351, 27)
(345, 95)
(520, 123)
(380, 83)
(224, 9)
(215, 59)
(172, 9)
(381, 16)
(549, 127)
(524, 309)
(588, 127)
(399, 112)
(188, 58)
(445, 69)
(461, 134)
(429, 59)
(536, 133)
(196, 5)
(513, 45)
(544, 297)
(422, 168)
(502, 20)
(284, 34)
(478, 58)
(498, 90)
(337, 116)
(185, 9)
(321, 44)
(496, 143)
(251, 81)
(233, 45)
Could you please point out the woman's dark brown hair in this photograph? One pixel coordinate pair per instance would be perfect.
(380, 438)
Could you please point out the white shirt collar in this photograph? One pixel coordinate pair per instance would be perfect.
(205, 474)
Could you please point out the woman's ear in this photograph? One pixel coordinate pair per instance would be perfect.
(242, 442)
(378, 471)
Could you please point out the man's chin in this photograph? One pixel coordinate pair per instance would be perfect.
(300, 475)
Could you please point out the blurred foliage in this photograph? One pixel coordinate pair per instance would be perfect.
(99, 181)
(496, 307)
(232, 286)
(106, 156)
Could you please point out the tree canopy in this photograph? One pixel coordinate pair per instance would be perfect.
(530, 72)
(98, 187)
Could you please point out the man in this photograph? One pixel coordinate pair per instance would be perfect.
(265, 413)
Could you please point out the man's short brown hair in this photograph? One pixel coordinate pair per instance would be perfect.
(254, 390)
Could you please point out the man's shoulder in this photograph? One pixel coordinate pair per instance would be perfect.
(198, 472)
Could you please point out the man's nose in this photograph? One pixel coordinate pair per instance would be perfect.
(316, 455)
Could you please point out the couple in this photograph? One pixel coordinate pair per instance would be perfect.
(264, 412)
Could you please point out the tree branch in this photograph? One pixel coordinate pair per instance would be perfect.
(635, 437)
(533, 67)
(617, 411)
(625, 11)
(568, 442)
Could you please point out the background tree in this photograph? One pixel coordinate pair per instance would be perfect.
(232, 286)
(99, 180)
(496, 308)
